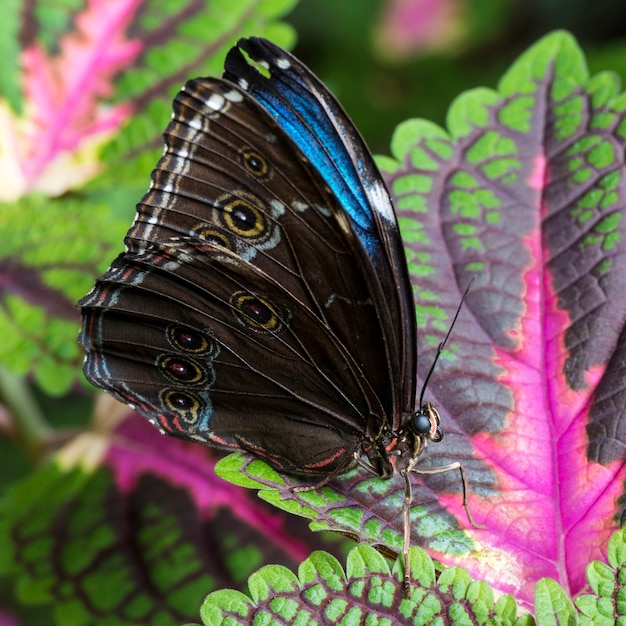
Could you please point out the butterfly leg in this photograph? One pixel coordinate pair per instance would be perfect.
(406, 516)
(408, 499)
(451, 468)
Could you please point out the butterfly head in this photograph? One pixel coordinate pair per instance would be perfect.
(397, 452)
(425, 423)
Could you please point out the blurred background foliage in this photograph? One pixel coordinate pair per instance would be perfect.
(386, 61)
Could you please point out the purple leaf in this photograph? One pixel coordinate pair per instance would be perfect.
(138, 449)
(127, 525)
(526, 193)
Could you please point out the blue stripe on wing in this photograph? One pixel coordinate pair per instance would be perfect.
(315, 121)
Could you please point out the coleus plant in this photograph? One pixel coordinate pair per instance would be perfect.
(523, 191)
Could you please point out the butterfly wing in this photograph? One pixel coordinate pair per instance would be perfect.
(231, 177)
(236, 361)
(315, 120)
(239, 230)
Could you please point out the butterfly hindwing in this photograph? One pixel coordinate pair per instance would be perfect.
(240, 362)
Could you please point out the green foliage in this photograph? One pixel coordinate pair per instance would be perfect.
(52, 263)
(74, 540)
(337, 507)
(192, 46)
(66, 535)
(367, 592)
(324, 593)
(606, 605)
(54, 19)
(9, 53)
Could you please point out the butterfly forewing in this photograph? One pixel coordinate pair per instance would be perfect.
(283, 219)
(316, 121)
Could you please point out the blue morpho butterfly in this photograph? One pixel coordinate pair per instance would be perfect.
(263, 301)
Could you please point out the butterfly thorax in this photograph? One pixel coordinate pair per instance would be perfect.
(394, 452)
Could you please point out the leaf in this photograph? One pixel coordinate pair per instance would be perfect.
(356, 504)
(132, 527)
(607, 604)
(552, 606)
(523, 193)
(9, 52)
(323, 593)
(72, 68)
(45, 266)
(368, 592)
(95, 89)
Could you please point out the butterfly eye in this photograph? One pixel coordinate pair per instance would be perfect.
(425, 422)
(255, 164)
(420, 424)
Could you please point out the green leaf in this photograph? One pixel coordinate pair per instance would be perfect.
(607, 604)
(72, 539)
(552, 606)
(355, 504)
(367, 593)
(53, 261)
(9, 53)
(190, 43)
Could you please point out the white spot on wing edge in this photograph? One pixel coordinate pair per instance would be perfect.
(216, 102)
(195, 122)
(380, 201)
(233, 96)
(283, 63)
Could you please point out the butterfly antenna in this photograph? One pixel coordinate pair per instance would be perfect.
(443, 343)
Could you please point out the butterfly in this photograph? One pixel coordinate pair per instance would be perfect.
(263, 300)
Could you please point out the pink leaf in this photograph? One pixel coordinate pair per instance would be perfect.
(526, 194)
(66, 118)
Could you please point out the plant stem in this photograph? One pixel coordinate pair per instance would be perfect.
(31, 428)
